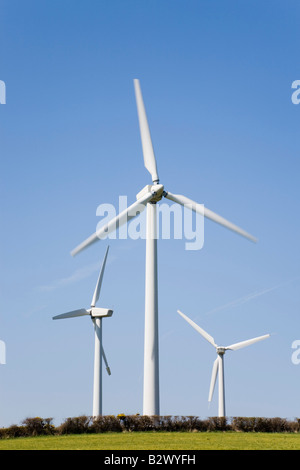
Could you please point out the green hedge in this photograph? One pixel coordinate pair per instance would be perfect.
(132, 423)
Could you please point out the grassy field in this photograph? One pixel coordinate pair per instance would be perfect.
(157, 441)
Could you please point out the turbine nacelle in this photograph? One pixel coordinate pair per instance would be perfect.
(221, 350)
(157, 191)
(100, 312)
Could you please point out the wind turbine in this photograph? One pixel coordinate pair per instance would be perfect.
(96, 315)
(218, 365)
(148, 197)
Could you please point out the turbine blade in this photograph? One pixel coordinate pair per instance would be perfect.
(200, 209)
(205, 335)
(99, 282)
(148, 153)
(105, 360)
(248, 342)
(132, 211)
(74, 313)
(214, 374)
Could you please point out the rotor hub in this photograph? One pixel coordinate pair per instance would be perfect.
(221, 350)
(157, 191)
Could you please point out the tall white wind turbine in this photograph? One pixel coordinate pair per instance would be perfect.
(96, 314)
(218, 365)
(148, 197)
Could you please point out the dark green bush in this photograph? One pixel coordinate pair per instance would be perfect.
(12, 431)
(216, 423)
(77, 425)
(105, 424)
(138, 423)
(254, 424)
(132, 423)
(38, 426)
(243, 424)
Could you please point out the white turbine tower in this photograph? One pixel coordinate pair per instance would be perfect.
(96, 315)
(218, 365)
(148, 197)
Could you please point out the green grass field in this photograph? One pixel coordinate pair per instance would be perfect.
(157, 441)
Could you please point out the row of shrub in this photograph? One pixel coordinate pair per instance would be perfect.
(122, 423)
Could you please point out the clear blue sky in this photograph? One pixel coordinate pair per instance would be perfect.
(216, 79)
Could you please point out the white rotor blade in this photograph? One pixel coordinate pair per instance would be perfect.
(214, 374)
(132, 211)
(197, 328)
(75, 313)
(99, 282)
(105, 360)
(200, 209)
(149, 157)
(248, 342)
